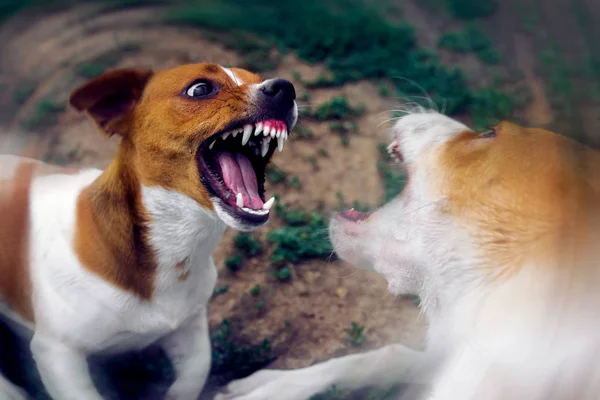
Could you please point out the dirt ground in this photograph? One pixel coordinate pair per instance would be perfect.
(305, 318)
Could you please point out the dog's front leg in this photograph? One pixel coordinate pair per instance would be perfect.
(63, 369)
(189, 351)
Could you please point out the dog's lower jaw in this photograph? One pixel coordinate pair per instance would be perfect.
(233, 222)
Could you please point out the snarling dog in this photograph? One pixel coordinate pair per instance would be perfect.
(106, 261)
(498, 233)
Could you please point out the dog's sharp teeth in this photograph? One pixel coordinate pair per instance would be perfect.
(247, 134)
(266, 130)
(269, 204)
(265, 146)
(239, 200)
(259, 128)
(280, 141)
(225, 135)
(284, 133)
(211, 145)
(273, 133)
(234, 133)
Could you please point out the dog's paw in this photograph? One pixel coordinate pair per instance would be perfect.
(272, 385)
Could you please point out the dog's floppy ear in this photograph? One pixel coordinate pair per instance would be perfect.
(110, 97)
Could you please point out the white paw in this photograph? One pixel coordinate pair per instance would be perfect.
(272, 385)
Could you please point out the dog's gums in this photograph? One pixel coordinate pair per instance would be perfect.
(233, 166)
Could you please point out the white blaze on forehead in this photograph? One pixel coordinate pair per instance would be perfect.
(236, 79)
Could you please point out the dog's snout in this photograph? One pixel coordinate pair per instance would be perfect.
(279, 90)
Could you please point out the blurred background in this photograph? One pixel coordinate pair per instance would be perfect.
(282, 299)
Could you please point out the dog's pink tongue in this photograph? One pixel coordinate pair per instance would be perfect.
(239, 177)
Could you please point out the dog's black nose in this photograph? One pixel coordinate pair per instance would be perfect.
(280, 90)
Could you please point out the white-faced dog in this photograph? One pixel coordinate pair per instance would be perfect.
(498, 233)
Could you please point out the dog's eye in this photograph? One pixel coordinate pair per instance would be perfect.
(199, 89)
(488, 134)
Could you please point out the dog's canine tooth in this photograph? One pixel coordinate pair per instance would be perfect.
(259, 128)
(239, 200)
(247, 134)
(265, 146)
(269, 204)
(280, 141)
(211, 145)
(266, 130)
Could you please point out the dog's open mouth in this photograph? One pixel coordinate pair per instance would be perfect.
(233, 163)
(355, 216)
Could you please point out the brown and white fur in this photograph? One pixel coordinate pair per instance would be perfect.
(498, 233)
(105, 261)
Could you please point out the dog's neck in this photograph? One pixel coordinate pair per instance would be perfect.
(128, 233)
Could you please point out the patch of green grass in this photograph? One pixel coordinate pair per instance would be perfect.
(323, 152)
(356, 335)
(247, 244)
(302, 132)
(220, 290)
(471, 39)
(303, 237)
(255, 291)
(276, 175)
(233, 359)
(91, 69)
(393, 179)
(469, 9)
(259, 305)
(384, 90)
(283, 274)
(491, 106)
(45, 114)
(234, 263)
(24, 92)
(337, 108)
(350, 36)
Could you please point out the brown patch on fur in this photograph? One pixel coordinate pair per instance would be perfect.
(525, 193)
(16, 177)
(161, 132)
(111, 238)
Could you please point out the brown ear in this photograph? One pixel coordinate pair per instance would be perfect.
(110, 97)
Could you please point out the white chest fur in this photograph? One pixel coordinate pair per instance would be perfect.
(96, 316)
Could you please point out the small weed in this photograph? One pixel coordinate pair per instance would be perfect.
(302, 132)
(90, 70)
(24, 92)
(321, 81)
(312, 159)
(355, 333)
(45, 114)
(323, 152)
(304, 237)
(384, 90)
(337, 108)
(468, 9)
(234, 262)
(295, 182)
(255, 291)
(260, 305)
(228, 357)
(275, 175)
(283, 274)
(304, 97)
(220, 290)
(248, 245)
(471, 39)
